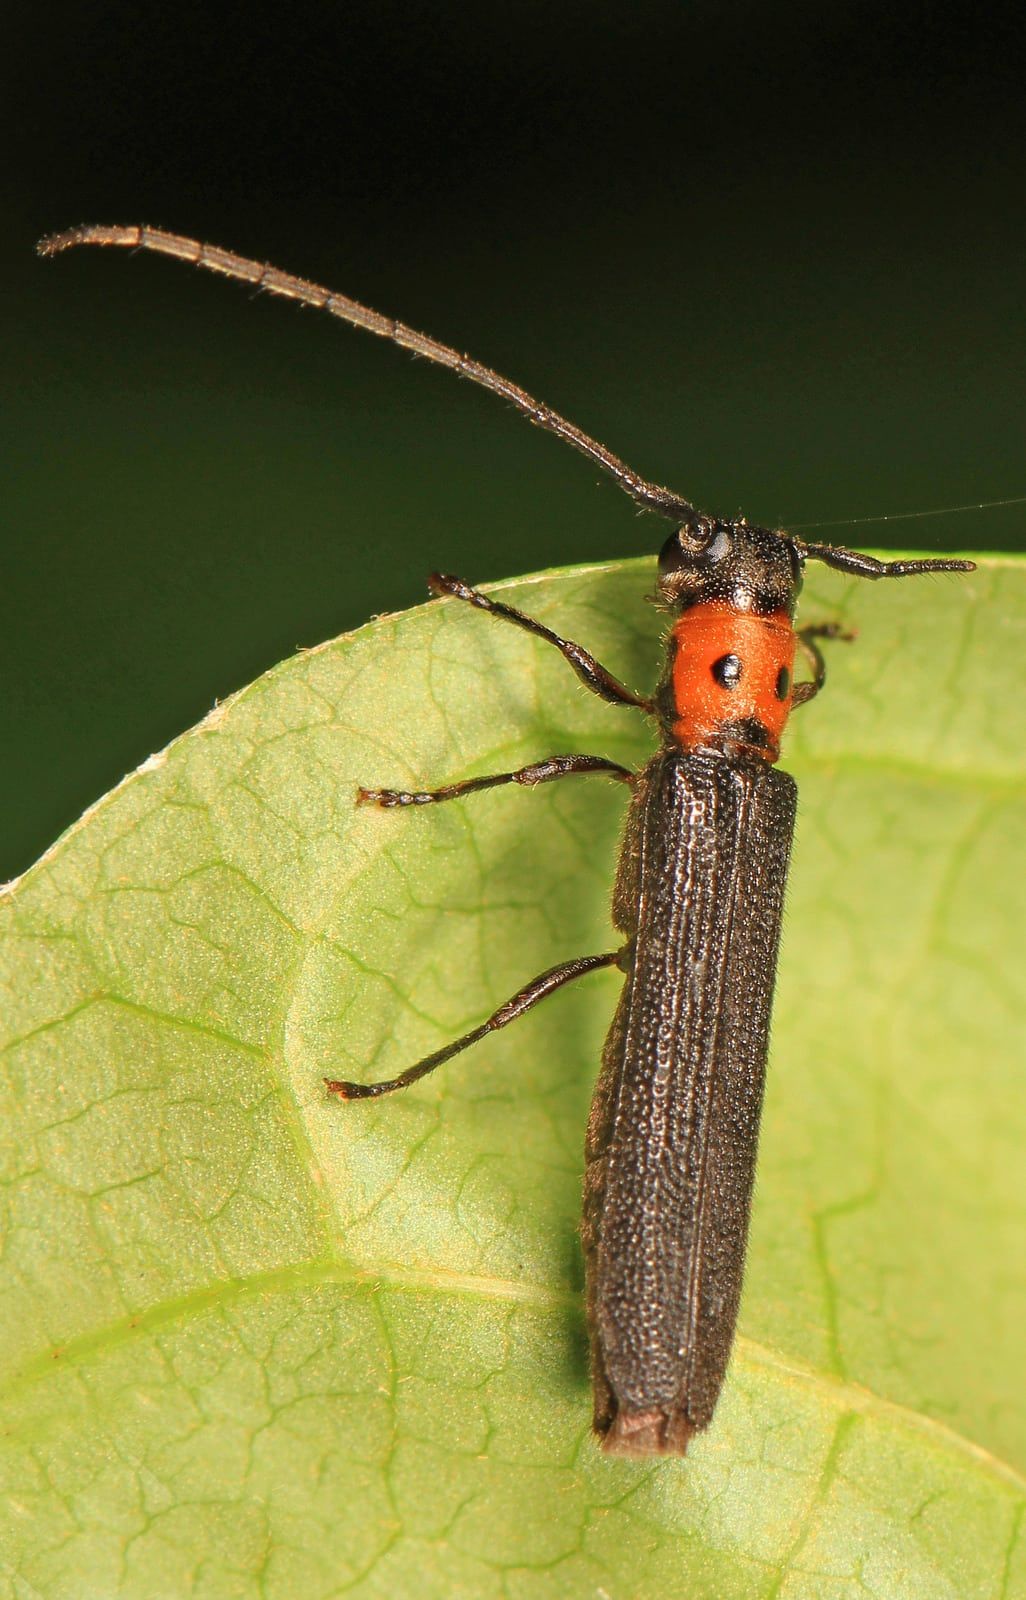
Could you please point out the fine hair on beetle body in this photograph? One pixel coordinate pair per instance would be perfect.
(673, 1130)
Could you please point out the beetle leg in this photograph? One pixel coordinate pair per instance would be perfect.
(591, 672)
(804, 692)
(529, 777)
(538, 989)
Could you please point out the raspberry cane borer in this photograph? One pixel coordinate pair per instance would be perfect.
(671, 1140)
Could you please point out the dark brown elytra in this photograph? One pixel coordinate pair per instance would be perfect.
(673, 1131)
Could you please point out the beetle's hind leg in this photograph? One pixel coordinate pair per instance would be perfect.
(538, 989)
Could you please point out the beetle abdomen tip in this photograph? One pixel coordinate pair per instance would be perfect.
(648, 1433)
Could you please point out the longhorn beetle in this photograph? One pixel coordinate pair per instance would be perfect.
(671, 1142)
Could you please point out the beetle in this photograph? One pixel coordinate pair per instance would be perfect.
(673, 1130)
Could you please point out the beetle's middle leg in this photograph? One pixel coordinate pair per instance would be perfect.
(529, 777)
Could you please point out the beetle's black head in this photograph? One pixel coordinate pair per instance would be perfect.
(749, 568)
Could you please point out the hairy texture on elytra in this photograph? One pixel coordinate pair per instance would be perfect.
(674, 1126)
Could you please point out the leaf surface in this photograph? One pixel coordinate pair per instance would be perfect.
(257, 1343)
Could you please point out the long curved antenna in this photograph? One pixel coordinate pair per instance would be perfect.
(649, 495)
(835, 555)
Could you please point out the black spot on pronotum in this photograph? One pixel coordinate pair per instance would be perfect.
(727, 671)
(746, 730)
(783, 683)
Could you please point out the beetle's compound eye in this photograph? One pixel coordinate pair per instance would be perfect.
(695, 544)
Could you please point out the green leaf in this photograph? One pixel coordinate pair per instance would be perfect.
(258, 1343)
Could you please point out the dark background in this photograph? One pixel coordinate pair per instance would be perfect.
(772, 254)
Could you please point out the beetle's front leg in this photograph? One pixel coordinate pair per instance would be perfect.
(804, 692)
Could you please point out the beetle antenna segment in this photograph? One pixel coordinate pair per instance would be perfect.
(835, 555)
(650, 496)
